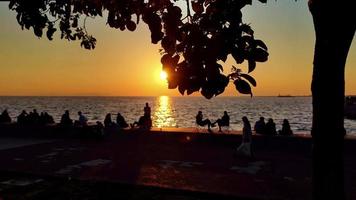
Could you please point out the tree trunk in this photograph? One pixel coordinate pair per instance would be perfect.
(333, 40)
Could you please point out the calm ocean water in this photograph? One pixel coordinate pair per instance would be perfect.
(175, 111)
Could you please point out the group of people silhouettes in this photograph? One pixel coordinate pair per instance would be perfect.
(261, 127)
(145, 121)
(66, 121)
(34, 118)
(120, 121)
(269, 128)
(223, 121)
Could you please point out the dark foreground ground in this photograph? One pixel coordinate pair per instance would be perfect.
(161, 165)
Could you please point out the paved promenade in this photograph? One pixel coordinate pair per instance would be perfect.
(177, 159)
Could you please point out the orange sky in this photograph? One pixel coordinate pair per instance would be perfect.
(127, 64)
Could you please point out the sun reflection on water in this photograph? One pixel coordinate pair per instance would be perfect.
(163, 115)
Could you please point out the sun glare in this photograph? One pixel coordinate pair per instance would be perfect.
(163, 75)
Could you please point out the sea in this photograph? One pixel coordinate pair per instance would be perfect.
(178, 112)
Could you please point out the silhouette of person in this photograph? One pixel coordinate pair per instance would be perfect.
(245, 146)
(66, 120)
(48, 118)
(34, 117)
(143, 122)
(260, 126)
(199, 120)
(5, 117)
(147, 110)
(82, 121)
(121, 122)
(22, 118)
(223, 121)
(286, 130)
(108, 121)
(270, 127)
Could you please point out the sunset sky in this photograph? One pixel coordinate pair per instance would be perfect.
(127, 64)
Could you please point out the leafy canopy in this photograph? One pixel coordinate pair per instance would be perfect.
(192, 45)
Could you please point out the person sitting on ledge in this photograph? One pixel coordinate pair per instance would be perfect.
(199, 120)
(5, 117)
(144, 122)
(45, 118)
(223, 121)
(22, 118)
(66, 121)
(286, 130)
(260, 126)
(270, 127)
(108, 121)
(121, 122)
(82, 121)
(49, 118)
(33, 117)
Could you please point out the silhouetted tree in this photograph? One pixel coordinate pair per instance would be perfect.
(193, 45)
(334, 24)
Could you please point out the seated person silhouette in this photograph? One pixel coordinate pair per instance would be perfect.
(121, 122)
(223, 121)
(82, 121)
(199, 120)
(5, 117)
(260, 126)
(286, 130)
(270, 127)
(45, 118)
(22, 118)
(66, 121)
(34, 117)
(144, 122)
(108, 121)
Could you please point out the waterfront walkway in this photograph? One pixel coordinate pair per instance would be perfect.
(182, 160)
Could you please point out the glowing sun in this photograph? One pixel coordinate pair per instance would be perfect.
(163, 75)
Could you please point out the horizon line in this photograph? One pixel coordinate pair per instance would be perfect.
(148, 96)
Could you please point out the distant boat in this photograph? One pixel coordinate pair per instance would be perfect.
(350, 107)
(285, 95)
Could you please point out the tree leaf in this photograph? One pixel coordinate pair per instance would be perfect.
(261, 44)
(260, 55)
(251, 65)
(38, 31)
(207, 93)
(247, 29)
(243, 87)
(249, 78)
(181, 89)
(131, 26)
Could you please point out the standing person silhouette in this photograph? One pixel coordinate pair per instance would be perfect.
(147, 110)
(245, 146)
